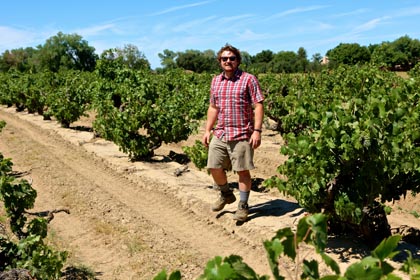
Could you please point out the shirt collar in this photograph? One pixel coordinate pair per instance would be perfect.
(236, 75)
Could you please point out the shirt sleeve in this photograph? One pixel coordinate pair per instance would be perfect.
(255, 90)
(212, 90)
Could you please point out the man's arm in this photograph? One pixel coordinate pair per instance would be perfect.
(258, 115)
(255, 140)
(211, 120)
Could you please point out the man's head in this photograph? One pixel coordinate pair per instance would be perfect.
(229, 59)
(228, 48)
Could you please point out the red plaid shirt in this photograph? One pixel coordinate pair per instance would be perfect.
(234, 99)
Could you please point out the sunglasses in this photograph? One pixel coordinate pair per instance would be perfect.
(231, 58)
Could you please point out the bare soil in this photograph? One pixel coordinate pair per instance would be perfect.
(130, 220)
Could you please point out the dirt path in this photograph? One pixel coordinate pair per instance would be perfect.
(130, 220)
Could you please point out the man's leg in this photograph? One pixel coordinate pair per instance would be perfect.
(226, 195)
(219, 176)
(245, 183)
(218, 159)
(244, 180)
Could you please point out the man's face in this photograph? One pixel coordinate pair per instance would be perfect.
(228, 61)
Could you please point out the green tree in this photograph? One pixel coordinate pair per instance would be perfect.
(167, 59)
(264, 56)
(302, 60)
(115, 59)
(410, 48)
(401, 54)
(197, 61)
(260, 61)
(211, 61)
(372, 47)
(284, 62)
(349, 54)
(315, 63)
(132, 57)
(387, 55)
(66, 51)
(246, 60)
(20, 59)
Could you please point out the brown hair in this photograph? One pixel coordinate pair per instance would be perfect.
(230, 48)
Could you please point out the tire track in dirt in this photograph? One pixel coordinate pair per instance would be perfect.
(129, 220)
(111, 212)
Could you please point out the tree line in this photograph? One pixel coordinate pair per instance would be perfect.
(72, 52)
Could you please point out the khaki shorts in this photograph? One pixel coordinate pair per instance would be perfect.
(237, 155)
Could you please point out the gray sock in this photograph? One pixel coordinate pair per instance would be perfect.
(244, 196)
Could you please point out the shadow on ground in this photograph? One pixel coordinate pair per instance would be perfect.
(275, 208)
(79, 273)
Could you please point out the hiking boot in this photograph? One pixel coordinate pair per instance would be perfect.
(242, 213)
(223, 199)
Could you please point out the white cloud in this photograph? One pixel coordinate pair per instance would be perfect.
(413, 11)
(198, 23)
(10, 35)
(310, 27)
(176, 8)
(351, 13)
(11, 38)
(372, 24)
(95, 30)
(225, 20)
(297, 11)
(249, 35)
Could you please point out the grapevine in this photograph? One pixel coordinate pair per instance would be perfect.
(358, 147)
(29, 251)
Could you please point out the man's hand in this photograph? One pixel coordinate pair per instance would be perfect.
(255, 140)
(206, 138)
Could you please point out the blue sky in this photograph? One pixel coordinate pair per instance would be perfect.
(250, 25)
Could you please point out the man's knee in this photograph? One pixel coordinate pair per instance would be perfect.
(244, 174)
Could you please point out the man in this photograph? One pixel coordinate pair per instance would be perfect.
(237, 110)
